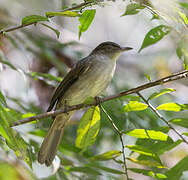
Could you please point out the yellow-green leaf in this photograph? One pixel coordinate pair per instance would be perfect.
(135, 106)
(88, 128)
(65, 13)
(160, 93)
(33, 19)
(170, 107)
(85, 20)
(147, 134)
(147, 163)
(107, 155)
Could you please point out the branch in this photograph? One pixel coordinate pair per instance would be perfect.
(121, 139)
(161, 117)
(177, 76)
(67, 9)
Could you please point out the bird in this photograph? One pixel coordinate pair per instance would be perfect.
(89, 77)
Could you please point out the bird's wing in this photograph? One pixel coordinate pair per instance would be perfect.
(73, 75)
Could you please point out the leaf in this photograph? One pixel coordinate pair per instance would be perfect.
(88, 128)
(147, 163)
(170, 107)
(134, 106)
(186, 133)
(147, 134)
(155, 35)
(2, 99)
(160, 93)
(65, 13)
(87, 170)
(148, 77)
(182, 51)
(46, 76)
(33, 19)
(180, 122)
(107, 155)
(184, 5)
(133, 8)
(13, 139)
(85, 20)
(148, 173)
(176, 172)
(183, 17)
(55, 30)
(142, 150)
(107, 169)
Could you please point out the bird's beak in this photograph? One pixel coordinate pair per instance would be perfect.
(126, 48)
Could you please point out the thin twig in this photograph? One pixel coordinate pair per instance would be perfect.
(161, 117)
(67, 9)
(121, 139)
(170, 78)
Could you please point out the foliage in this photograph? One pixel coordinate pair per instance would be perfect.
(141, 125)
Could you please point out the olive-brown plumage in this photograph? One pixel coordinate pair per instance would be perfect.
(88, 78)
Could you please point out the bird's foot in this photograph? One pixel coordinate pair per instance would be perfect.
(98, 100)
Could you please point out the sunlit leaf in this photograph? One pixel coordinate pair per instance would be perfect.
(33, 19)
(53, 29)
(155, 35)
(87, 170)
(160, 93)
(183, 17)
(186, 134)
(170, 107)
(135, 106)
(176, 171)
(133, 8)
(88, 128)
(2, 99)
(180, 122)
(107, 155)
(65, 13)
(147, 134)
(142, 150)
(148, 173)
(148, 77)
(147, 163)
(85, 20)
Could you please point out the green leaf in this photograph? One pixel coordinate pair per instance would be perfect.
(147, 134)
(134, 106)
(133, 8)
(87, 170)
(148, 173)
(186, 133)
(180, 122)
(160, 93)
(176, 172)
(148, 77)
(182, 51)
(155, 35)
(170, 107)
(55, 30)
(183, 17)
(88, 128)
(2, 99)
(184, 5)
(107, 155)
(148, 163)
(33, 19)
(85, 20)
(13, 139)
(46, 76)
(142, 150)
(106, 169)
(65, 13)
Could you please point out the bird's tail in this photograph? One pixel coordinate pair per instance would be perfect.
(53, 138)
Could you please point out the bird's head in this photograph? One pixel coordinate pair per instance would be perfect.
(110, 49)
